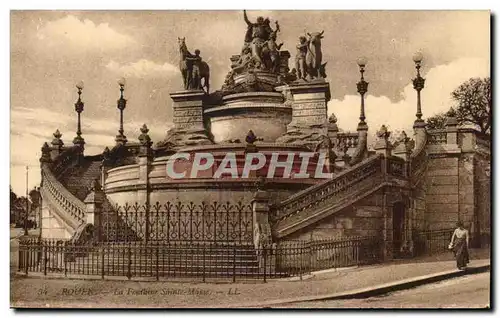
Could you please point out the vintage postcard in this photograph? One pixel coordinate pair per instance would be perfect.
(250, 159)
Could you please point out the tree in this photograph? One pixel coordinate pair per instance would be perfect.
(36, 198)
(472, 106)
(13, 196)
(36, 202)
(473, 103)
(437, 121)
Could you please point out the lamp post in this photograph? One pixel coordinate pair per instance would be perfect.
(418, 85)
(362, 86)
(78, 140)
(121, 104)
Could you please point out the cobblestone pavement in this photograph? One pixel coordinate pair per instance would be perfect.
(44, 292)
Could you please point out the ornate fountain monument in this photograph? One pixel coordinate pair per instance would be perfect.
(217, 208)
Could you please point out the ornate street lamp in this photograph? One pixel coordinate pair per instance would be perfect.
(418, 85)
(78, 140)
(121, 104)
(362, 86)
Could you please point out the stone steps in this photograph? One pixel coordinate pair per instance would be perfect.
(78, 179)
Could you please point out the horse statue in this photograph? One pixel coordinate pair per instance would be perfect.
(314, 68)
(193, 68)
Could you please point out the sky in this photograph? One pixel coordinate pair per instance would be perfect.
(50, 51)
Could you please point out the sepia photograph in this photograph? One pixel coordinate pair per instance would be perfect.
(272, 159)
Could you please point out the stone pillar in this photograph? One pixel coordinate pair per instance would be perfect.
(261, 227)
(93, 207)
(105, 165)
(451, 128)
(403, 150)
(383, 144)
(309, 112)
(46, 151)
(333, 129)
(362, 147)
(57, 144)
(144, 160)
(410, 208)
(420, 134)
(189, 127)
(387, 245)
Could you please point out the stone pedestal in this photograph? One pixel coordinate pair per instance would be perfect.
(188, 109)
(189, 128)
(262, 231)
(452, 134)
(383, 145)
(93, 208)
(309, 112)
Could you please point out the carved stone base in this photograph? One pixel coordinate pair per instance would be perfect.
(177, 138)
(302, 135)
(189, 126)
(309, 112)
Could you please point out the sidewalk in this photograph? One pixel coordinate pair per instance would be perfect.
(39, 292)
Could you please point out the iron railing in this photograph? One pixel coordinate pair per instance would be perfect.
(431, 242)
(186, 222)
(198, 261)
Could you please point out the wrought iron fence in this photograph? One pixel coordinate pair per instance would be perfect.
(171, 222)
(198, 261)
(331, 253)
(431, 242)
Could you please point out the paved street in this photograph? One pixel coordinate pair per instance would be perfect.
(471, 291)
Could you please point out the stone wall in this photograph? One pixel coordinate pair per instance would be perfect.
(419, 206)
(364, 218)
(442, 193)
(52, 227)
(453, 191)
(482, 182)
(466, 198)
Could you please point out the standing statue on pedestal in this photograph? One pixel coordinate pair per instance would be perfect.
(273, 50)
(193, 69)
(300, 57)
(256, 36)
(314, 68)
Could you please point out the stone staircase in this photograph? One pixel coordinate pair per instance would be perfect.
(326, 198)
(78, 178)
(181, 259)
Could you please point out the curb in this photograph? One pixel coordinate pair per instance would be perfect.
(378, 289)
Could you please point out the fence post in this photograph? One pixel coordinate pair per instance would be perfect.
(129, 272)
(310, 257)
(299, 249)
(203, 265)
(20, 255)
(26, 251)
(45, 260)
(157, 261)
(265, 261)
(358, 247)
(234, 264)
(102, 261)
(65, 260)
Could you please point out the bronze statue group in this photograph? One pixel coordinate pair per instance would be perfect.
(260, 52)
